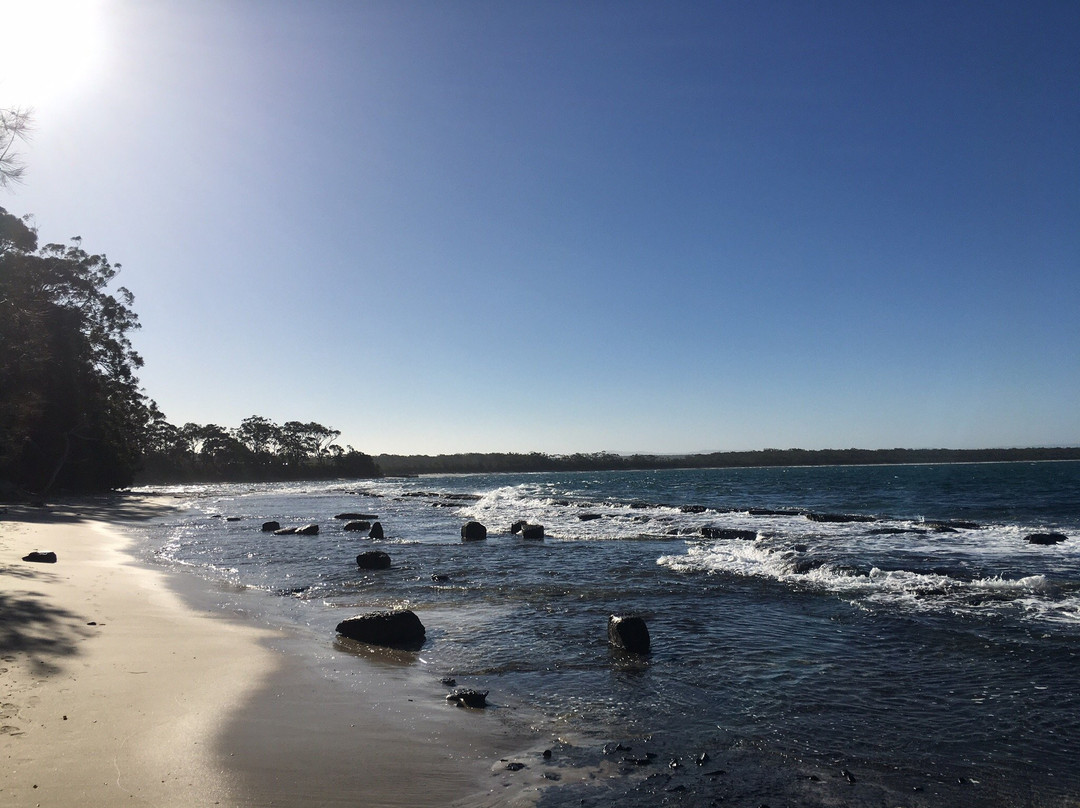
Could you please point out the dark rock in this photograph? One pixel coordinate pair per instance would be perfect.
(693, 509)
(515, 766)
(532, 531)
(473, 531)
(285, 531)
(376, 531)
(463, 497)
(952, 523)
(547, 754)
(307, 530)
(468, 698)
(359, 524)
(629, 633)
(373, 560)
(449, 681)
(1045, 538)
(517, 526)
(799, 548)
(350, 516)
(399, 628)
(773, 512)
(233, 518)
(710, 532)
(840, 517)
(639, 505)
(270, 527)
(41, 558)
(439, 577)
(588, 517)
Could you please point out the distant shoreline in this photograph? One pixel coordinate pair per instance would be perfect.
(496, 462)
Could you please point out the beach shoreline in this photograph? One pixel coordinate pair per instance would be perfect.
(124, 682)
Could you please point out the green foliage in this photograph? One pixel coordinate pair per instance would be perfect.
(257, 450)
(72, 415)
(14, 126)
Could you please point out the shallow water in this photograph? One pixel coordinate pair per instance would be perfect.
(859, 662)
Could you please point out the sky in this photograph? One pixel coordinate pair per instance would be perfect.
(597, 225)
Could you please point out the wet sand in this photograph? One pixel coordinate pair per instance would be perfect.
(125, 684)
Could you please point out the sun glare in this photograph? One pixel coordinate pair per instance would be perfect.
(50, 48)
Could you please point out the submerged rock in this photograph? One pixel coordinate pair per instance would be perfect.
(710, 532)
(588, 517)
(351, 516)
(1046, 538)
(473, 531)
(840, 517)
(398, 628)
(629, 633)
(270, 527)
(373, 560)
(468, 698)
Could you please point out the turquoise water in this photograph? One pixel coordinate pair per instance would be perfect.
(926, 657)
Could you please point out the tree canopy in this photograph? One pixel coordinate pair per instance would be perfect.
(72, 415)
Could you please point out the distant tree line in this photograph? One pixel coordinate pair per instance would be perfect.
(397, 465)
(257, 450)
(73, 417)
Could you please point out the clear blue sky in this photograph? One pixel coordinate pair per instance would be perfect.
(579, 226)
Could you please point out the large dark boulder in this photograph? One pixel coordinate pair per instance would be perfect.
(399, 628)
(517, 526)
(473, 531)
(41, 558)
(359, 524)
(351, 516)
(629, 634)
(710, 532)
(532, 531)
(270, 527)
(307, 530)
(373, 560)
(376, 531)
(1046, 538)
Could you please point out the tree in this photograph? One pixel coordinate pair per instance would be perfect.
(14, 126)
(72, 414)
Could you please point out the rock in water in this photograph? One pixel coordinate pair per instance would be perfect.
(285, 531)
(532, 531)
(376, 531)
(399, 628)
(1046, 538)
(307, 530)
(270, 527)
(373, 560)
(517, 526)
(468, 698)
(358, 524)
(473, 531)
(629, 633)
(350, 516)
(710, 532)
(41, 558)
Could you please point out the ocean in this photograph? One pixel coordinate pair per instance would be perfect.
(857, 635)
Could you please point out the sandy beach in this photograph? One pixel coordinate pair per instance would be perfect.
(123, 684)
